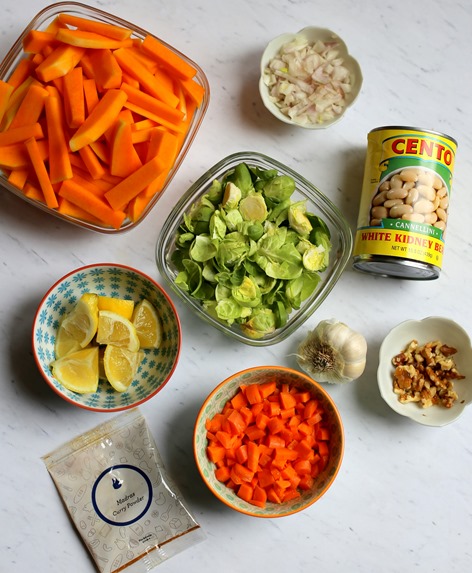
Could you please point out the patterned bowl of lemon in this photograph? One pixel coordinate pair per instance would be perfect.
(106, 337)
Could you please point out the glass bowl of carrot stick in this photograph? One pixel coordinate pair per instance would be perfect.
(96, 116)
(268, 441)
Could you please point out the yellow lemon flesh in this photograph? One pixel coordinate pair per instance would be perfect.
(81, 323)
(117, 330)
(121, 306)
(78, 371)
(65, 343)
(120, 366)
(148, 325)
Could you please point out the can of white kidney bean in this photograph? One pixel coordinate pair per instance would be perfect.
(404, 204)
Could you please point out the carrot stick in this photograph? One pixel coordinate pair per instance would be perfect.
(155, 106)
(33, 192)
(124, 159)
(101, 151)
(5, 92)
(61, 60)
(121, 194)
(31, 107)
(130, 80)
(167, 58)
(74, 102)
(41, 173)
(90, 94)
(16, 157)
(22, 133)
(18, 177)
(101, 119)
(85, 199)
(106, 71)
(20, 73)
(91, 40)
(179, 128)
(194, 90)
(59, 162)
(71, 210)
(167, 150)
(91, 161)
(109, 30)
(131, 65)
(36, 40)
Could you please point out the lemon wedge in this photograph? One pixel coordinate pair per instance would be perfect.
(80, 324)
(117, 330)
(148, 324)
(65, 343)
(121, 306)
(120, 366)
(78, 371)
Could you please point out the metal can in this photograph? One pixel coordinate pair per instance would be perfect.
(404, 203)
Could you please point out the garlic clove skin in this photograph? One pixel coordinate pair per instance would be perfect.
(333, 353)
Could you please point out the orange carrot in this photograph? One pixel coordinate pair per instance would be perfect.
(5, 92)
(268, 456)
(29, 111)
(74, 102)
(15, 156)
(36, 40)
(22, 133)
(91, 40)
(41, 173)
(87, 25)
(194, 90)
(90, 94)
(124, 159)
(121, 194)
(156, 107)
(101, 119)
(167, 58)
(91, 161)
(61, 60)
(33, 192)
(85, 199)
(18, 177)
(131, 65)
(69, 209)
(106, 71)
(20, 73)
(59, 162)
(165, 146)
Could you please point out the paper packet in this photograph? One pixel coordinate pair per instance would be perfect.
(129, 513)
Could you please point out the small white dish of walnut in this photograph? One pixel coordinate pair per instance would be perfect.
(425, 370)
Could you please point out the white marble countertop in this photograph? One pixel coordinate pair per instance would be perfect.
(403, 498)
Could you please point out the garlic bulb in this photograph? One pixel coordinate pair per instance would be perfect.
(333, 352)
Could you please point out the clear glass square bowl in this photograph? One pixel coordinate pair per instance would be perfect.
(16, 53)
(316, 203)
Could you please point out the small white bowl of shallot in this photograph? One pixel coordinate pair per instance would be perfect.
(309, 79)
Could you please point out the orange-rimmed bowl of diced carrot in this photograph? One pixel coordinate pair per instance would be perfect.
(268, 441)
(96, 116)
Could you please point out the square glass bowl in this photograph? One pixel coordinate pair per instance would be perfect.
(316, 204)
(41, 22)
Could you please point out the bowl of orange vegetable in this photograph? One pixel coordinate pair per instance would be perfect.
(106, 337)
(268, 441)
(96, 116)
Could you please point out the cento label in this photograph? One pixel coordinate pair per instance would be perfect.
(405, 195)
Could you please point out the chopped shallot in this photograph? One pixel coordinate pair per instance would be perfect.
(308, 82)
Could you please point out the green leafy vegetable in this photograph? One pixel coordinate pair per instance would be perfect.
(250, 253)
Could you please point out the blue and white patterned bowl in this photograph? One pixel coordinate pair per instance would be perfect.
(117, 281)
